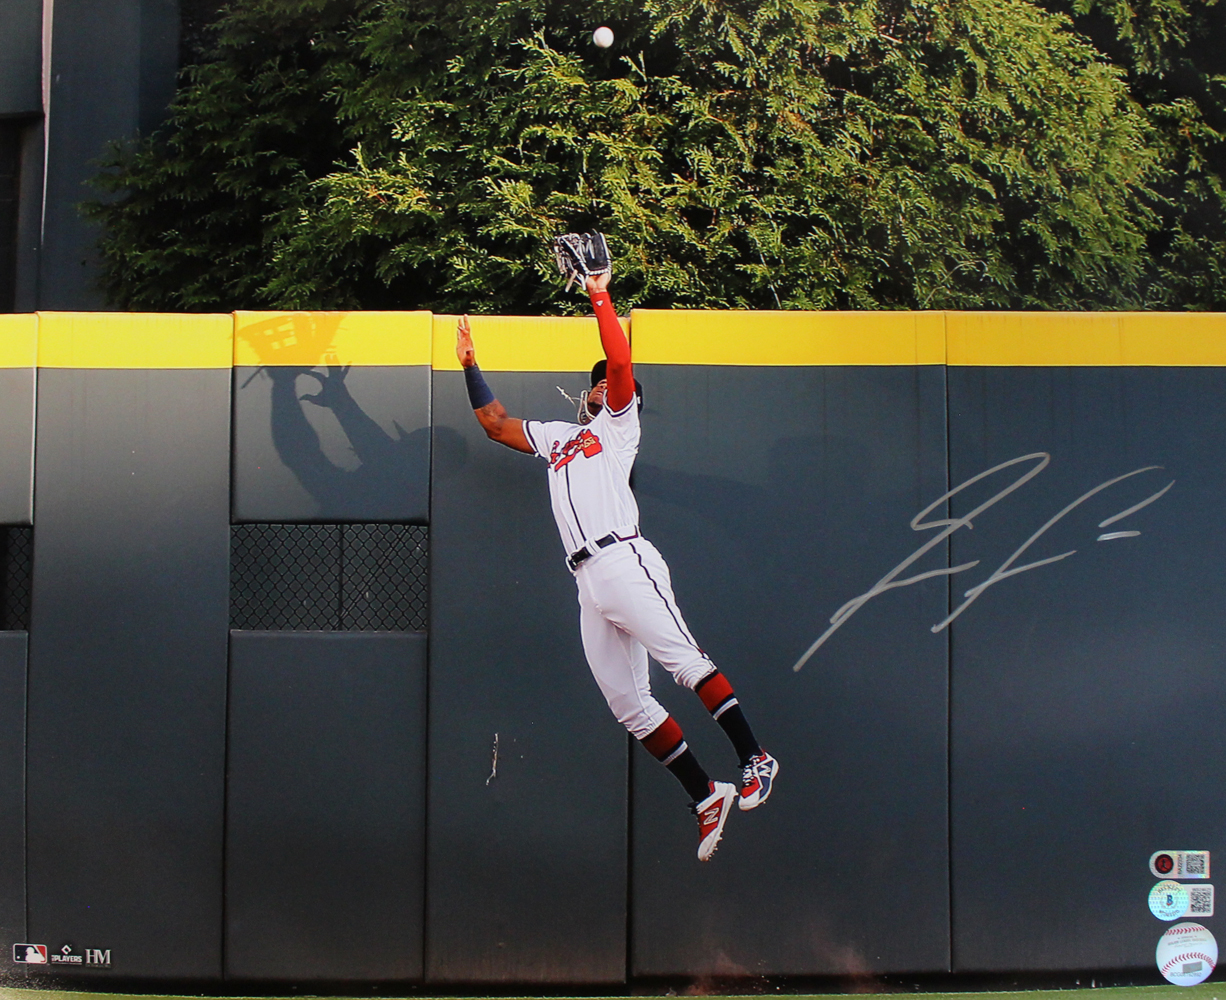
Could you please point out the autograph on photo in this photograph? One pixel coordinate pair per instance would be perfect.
(890, 581)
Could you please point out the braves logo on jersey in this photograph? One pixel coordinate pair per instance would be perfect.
(584, 443)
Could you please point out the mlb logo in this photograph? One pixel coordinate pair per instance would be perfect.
(31, 954)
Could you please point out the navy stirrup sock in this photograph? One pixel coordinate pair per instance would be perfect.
(666, 743)
(693, 778)
(716, 694)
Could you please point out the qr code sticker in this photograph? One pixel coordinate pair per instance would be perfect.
(1200, 901)
(1179, 864)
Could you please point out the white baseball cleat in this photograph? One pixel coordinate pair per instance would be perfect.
(757, 780)
(712, 813)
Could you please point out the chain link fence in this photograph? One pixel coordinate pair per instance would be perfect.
(17, 566)
(329, 577)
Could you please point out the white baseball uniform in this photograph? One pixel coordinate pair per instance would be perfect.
(627, 609)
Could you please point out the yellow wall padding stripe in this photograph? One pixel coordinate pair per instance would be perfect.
(134, 340)
(18, 340)
(1087, 339)
(308, 339)
(571, 344)
(523, 343)
(697, 337)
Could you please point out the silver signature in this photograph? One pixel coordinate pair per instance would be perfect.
(1006, 569)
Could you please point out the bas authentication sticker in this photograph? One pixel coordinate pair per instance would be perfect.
(1168, 900)
(1179, 864)
(1186, 954)
(1200, 900)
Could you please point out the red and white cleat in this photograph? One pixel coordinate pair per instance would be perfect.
(757, 780)
(712, 813)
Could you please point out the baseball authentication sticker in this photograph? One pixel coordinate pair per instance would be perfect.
(1200, 900)
(1179, 864)
(1186, 954)
(1168, 900)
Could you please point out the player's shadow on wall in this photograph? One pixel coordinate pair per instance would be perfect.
(794, 500)
(388, 464)
(781, 549)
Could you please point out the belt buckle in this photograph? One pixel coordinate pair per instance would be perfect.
(579, 556)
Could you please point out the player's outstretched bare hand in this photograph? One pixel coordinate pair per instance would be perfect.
(597, 283)
(464, 343)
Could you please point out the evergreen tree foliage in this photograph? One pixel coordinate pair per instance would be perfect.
(1176, 69)
(737, 153)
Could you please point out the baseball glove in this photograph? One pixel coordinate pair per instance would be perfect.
(581, 255)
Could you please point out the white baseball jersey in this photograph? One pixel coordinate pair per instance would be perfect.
(589, 473)
(627, 608)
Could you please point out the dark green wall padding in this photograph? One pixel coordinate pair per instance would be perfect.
(324, 808)
(1087, 694)
(127, 675)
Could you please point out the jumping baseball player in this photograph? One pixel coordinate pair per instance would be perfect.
(626, 600)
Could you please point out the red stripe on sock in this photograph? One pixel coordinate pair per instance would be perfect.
(714, 690)
(662, 740)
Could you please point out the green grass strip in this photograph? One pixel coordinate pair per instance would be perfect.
(1205, 991)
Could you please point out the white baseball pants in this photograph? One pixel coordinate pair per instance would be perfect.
(627, 610)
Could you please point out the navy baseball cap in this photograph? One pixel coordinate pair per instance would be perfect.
(599, 370)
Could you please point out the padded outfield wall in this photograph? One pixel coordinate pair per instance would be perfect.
(292, 687)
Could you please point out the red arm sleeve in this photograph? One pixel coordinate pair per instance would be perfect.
(620, 373)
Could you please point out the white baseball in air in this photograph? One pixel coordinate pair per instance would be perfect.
(602, 37)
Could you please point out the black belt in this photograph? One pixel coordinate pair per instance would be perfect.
(579, 556)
